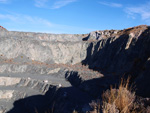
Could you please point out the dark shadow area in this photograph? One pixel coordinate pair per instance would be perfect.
(65, 99)
(86, 38)
(123, 56)
(106, 54)
(35, 103)
(73, 77)
(57, 100)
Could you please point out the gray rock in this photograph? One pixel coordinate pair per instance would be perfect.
(40, 65)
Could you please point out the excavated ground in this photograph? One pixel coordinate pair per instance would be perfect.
(60, 72)
(22, 80)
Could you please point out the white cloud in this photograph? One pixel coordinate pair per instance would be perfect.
(25, 19)
(4, 1)
(8, 16)
(37, 20)
(142, 10)
(111, 4)
(40, 3)
(52, 4)
(62, 3)
(20, 22)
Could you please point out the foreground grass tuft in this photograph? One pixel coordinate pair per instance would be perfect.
(119, 100)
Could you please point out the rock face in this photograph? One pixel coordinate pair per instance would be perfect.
(37, 69)
(43, 48)
(125, 54)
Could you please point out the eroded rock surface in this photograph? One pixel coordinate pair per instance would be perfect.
(38, 70)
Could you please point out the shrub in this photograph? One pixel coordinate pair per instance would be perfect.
(119, 100)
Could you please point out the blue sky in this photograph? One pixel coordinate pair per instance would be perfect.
(73, 16)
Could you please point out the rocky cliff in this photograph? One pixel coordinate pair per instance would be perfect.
(73, 69)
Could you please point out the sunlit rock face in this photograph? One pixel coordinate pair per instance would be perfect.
(37, 68)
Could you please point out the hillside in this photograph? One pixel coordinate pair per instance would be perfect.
(68, 71)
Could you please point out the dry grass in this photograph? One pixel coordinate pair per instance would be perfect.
(119, 100)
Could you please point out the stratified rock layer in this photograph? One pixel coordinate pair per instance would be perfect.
(37, 68)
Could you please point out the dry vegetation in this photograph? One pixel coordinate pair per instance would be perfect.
(121, 100)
